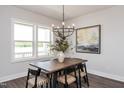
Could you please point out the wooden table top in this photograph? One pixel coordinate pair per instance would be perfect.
(53, 65)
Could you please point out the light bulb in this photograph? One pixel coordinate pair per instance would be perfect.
(63, 23)
(68, 26)
(53, 25)
(73, 25)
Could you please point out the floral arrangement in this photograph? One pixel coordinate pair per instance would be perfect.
(61, 43)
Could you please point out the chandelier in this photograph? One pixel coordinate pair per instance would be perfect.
(64, 31)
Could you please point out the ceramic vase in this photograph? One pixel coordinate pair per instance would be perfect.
(61, 57)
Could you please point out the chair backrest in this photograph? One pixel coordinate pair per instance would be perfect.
(82, 67)
(34, 72)
(70, 70)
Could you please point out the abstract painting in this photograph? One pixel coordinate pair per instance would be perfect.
(88, 39)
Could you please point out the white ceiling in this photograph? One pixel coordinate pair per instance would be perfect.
(71, 11)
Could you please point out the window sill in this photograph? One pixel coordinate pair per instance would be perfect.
(42, 58)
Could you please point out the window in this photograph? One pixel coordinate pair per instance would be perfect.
(43, 41)
(30, 41)
(23, 40)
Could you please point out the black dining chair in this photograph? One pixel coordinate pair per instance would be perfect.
(35, 79)
(83, 74)
(81, 71)
(66, 78)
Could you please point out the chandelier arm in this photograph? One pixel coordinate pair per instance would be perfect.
(56, 33)
(68, 35)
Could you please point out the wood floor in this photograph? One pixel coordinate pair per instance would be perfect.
(95, 82)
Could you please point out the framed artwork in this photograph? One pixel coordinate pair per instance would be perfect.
(88, 39)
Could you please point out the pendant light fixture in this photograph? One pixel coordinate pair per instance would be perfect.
(64, 31)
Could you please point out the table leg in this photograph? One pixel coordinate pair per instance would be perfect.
(54, 79)
(49, 80)
(79, 76)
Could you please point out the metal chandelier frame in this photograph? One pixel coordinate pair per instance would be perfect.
(64, 31)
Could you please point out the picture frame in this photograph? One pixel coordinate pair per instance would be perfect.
(88, 39)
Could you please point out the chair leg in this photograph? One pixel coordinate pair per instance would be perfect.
(46, 85)
(54, 79)
(27, 84)
(77, 83)
(80, 81)
(41, 86)
(87, 80)
(49, 80)
(50, 83)
(66, 85)
(75, 74)
(35, 86)
(27, 79)
(57, 84)
(79, 77)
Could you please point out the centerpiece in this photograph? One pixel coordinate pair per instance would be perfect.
(60, 45)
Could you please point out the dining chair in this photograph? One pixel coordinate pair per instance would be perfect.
(66, 78)
(35, 79)
(82, 74)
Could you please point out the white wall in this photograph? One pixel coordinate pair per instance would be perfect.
(10, 70)
(110, 63)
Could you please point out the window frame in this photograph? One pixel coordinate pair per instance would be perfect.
(34, 41)
(39, 26)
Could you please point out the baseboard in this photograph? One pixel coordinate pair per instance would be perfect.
(106, 75)
(11, 77)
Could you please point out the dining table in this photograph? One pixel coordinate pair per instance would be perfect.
(51, 67)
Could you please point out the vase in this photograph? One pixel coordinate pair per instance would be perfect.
(61, 57)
